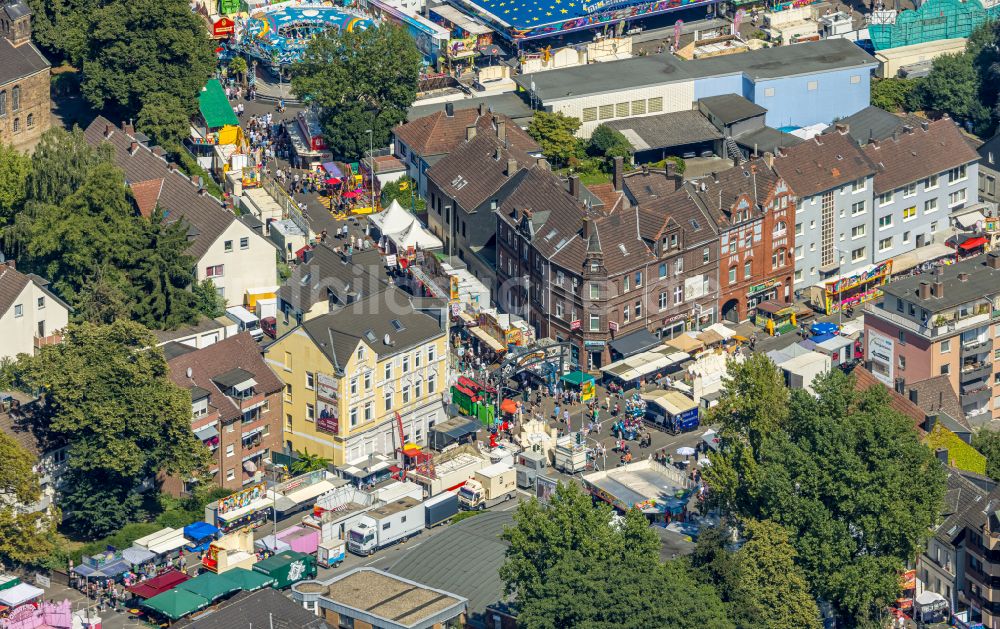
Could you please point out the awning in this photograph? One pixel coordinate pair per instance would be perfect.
(686, 343)
(206, 433)
(136, 556)
(250, 467)
(577, 378)
(249, 580)
(197, 531)
(209, 585)
(481, 334)
(159, 585)
(84, 570)
(635, 342)
(332, 169)
(972, 243)
(920, 255)
(508, 406)
(970, 220)
(710, 337)
(115, 568)
(461, 20)
(453, 429)
(175, 604)
(674, 402)
(20, 593)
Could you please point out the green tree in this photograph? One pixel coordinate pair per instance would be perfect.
(987, 442)
(608, 142)
(892, 94)
(361, 80)
(60, 27)
(137, 51)
(24, 537)
(555, 134)
(953, 87)
(238, 68)
(165, 119)
(771, 591)
(15, 167)
(160, 272)
(208, 301)
(104, 297)
(404, 192)
(107, 394)
(308, 462)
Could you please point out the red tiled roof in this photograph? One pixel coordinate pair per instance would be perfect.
(146, 195)
(864, 380)
(828, 161)
(918, 153)
(440, 133)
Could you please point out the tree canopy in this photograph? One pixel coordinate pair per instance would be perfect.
(404, 192)
(570, 564)
(608, 142)
(25, 537)
(107, 394)
(360, 80)
(843, 473)
(555, 134)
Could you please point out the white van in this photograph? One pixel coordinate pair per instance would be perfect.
(246, 320)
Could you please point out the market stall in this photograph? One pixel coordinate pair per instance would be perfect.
(659, 491)
(201, 535)
(248, 507)
(210, 586)
(20, 594)
(158, 584)
(175, 604)
(671, 410)
(235, 550)
(288, 567)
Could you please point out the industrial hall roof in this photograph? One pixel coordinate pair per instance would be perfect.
(666, 130)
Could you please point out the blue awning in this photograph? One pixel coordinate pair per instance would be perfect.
(84, 570)
(135, 556)
(114, 568)
(198, 531)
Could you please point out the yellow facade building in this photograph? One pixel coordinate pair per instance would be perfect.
(349, 372)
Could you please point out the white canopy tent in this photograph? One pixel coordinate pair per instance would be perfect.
(403, 229)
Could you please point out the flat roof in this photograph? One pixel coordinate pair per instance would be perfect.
(390, 598)
(508, 104)
(981, 283)
(396, 506)
(666, 130)
(637, 72)
(730, 108)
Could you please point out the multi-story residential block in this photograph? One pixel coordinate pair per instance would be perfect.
(752, 209)
(25, 85)
(235, 408)
(352, 376)
(941, 324)
(237, 258)
(589, 277)
(922, 173)
(989, 169)
(424, 141)
(31, 315)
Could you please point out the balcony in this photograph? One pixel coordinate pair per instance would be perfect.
(937, 327)
(52, 339)
(977, 346)
(251, 402)
(976, 393)
(975, 371)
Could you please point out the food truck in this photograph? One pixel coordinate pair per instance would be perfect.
(671, 410)
(287, 567)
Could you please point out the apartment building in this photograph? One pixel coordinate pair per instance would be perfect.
(941, 324)
(348, 374)
(235, 408)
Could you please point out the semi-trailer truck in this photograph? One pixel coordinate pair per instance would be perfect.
(489, 486)
(386, 525)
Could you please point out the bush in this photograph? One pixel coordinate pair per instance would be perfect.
(608, 142)
(893, 94)
(678, 162)
(120, 540)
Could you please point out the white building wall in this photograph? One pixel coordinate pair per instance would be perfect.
(243, 268)
(17, 334)
(675, 97)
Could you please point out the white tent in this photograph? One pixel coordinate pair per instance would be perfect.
(392, 219)
(403, 229)
(20, 593)
(415, 236)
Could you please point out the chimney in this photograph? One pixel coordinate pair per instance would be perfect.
(924, 125)
(511, 167)
(133, 147)
(942, 455)
(172, 166)
(502, 131)
(11, 264)
(930, 421)
(128, 128)
(470, 132)
(963, 277)
(842, 128)
(900, 385)
(670, 169)
(924, 291)
(938, 289)
(585, 231)
(108, 130)
(196, 180)
(780, 151)
(895, 134)
(993, 260)
(618, 173)
(645, 169)
(769, 159)
(915, 397)
(543, 163)
(482, 108)
(574, 186)
(449, 110)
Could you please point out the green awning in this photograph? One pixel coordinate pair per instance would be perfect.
(210, 585)
(248, 580)
(215, 107)
(577, 378)
(175, 604)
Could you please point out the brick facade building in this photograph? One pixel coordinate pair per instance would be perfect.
(25, 103)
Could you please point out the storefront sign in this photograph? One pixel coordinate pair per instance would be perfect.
(594, 344)
(223, 27)
(613, 326)
(390, 260)
(574, 325)
(459, 48)
(328, 421)
(587, 390)
(242, 498)
(762, 287)
(453, 283)
(879, 271)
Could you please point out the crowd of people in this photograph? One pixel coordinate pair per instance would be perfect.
(112, 593)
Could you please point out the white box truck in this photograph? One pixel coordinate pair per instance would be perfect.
(489, 486)
(246, 321)
(386, 525)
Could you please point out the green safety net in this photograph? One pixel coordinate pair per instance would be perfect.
(933, 21)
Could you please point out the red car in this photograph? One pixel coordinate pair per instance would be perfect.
(269, 326)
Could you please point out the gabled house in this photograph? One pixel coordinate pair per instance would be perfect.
(237, 258)
(235, 408)
(30, 314)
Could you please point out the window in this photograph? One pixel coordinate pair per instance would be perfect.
(368, 381)
(885, 198)
(954, 175)
(859, 185)
(855, 78)
(663, 270)
(858, 231)
(589, 114)
(559, 309)
(747, 269)
(909, 190)
(606, 112)
(3, 103)
(406, 364)
(931, 182)
(626, 315)
(902, 334)
(288, 393)
(416, 360)
(706, 255)
(956, 197)
(214, 271)
(885, 222)
(244, 243)
(732, 275)
(15, 99)
(798, 229)
(910, 213)
(778, 259)
(655, 104)
(638, 309)
(228, 245)
(930, 205)
(678, 295)
(310, 380)
(595, 290)
(41, 303)
(230, 450)
(945, 346)
(798, 253)
(638, 107)
(885, 244)
(798, 275)
(388, 371)
(431, 382)
(906, 238)
(595, 323)
(430, 353)
(406, 394)
(18, 310)
(780, 227)
(858, 254)
(625, 284)
(678, 266)
(230, 474)
(638, 279)
(621, 110)
(310, 412)
(17, 125)
(354, 386)
(902, 362)
(31, 120)
(369, 408)
(354, 417)
(663, 301)
(417, 389)
(812, 86)
(361, 352)
(768, 91)
(387, 400)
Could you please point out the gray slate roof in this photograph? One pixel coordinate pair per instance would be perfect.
(337, 334)
(871, 123)
(766, 139)
(19, 62)
(263, 608)
(982, 281)
(666, 130)
(327, 272)
(507, 104)
(465, 558)
(768, 63)
(730, 108)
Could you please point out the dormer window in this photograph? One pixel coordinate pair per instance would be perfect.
(237, 383)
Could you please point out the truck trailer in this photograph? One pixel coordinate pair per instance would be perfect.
(440, 509)
(529, 464)
(489, 486)
(386, 525)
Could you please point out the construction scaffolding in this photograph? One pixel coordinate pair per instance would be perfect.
(935, 20)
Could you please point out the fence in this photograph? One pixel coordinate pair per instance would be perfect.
(289, 207)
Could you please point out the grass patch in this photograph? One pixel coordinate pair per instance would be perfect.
(587, 178)
(464, 515)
